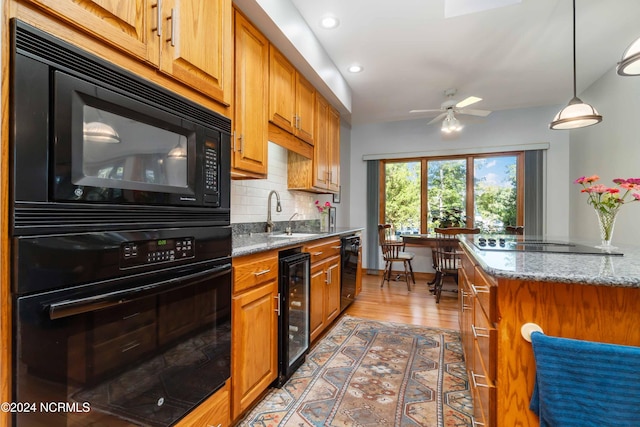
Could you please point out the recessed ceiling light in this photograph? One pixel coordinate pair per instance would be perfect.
(355, 68)
(329, 22)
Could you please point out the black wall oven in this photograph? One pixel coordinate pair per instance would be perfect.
(121, 242)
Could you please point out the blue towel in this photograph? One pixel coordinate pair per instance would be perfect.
(582, 383)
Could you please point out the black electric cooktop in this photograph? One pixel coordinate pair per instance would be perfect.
(515, 244)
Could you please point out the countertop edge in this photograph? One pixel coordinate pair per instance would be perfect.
(258, 242)
(612, 281)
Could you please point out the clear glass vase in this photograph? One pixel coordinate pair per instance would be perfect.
(324, 223)
(606, 221)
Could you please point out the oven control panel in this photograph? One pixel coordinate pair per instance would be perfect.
(145, 252)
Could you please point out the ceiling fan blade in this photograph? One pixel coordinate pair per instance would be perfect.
(468, 101)
(481, 113)
(437, 118)
(425, 111)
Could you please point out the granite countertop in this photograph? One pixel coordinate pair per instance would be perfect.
(603, 270)
(246, 244)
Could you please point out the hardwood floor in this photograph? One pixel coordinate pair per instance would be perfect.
(395, 304)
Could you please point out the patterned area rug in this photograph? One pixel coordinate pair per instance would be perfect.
(368, 373)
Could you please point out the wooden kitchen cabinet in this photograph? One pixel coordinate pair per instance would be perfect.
(322, 173)
(196, 45)
(478, 316)
(212, 412)
(254, 331)
(251, 131)
(291, 98)
(121, 24)
(189, 40)
(500, 362)
(325, 284)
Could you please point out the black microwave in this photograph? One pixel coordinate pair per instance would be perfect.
(87, 134)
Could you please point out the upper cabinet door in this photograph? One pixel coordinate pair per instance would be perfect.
(197, 45)
(282, 91)
(305, 117)
(333, 139)
(250, 102)
(320, 151)
(118, 23)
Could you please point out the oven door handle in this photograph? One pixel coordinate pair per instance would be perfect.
(68, 308)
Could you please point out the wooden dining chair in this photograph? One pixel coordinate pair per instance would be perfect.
(393, 251)
(447, 255)
(514, 229)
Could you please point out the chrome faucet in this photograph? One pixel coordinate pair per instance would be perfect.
(288, 229)
(278, 209)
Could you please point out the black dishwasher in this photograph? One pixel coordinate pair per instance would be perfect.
(293, 309)
(350, 253)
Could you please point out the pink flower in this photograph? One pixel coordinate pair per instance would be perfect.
(600, 188)
(609, 199)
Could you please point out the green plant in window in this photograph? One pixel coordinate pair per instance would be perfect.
(451, 217)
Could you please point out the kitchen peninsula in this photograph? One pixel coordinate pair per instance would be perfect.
(580, 296)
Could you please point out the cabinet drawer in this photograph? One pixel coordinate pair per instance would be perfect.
(323, 249)
(122, 319)
(486, 340)
(483, 389)
(252, 270)
(484, 290)
(124, 349)
(478, 414)
(467, 265)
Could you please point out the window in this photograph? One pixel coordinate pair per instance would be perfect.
(402, 196)
(482, 191)
(446, 190)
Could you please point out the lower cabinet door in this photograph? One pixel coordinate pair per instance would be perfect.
(214, 411)
(254, 341)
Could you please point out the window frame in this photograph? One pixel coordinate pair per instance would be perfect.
(470, 195)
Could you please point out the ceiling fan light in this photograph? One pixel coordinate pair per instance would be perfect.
(576, 114)
(629, 65)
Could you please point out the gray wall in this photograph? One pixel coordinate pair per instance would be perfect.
(499, 130)
(611, 150)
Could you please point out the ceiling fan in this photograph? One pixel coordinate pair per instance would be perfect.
(449, 108)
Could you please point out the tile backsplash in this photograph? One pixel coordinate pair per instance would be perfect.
(249, 197)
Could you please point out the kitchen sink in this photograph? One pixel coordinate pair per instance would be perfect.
(293, 235)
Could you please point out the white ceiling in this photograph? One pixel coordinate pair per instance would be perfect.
(513, 56)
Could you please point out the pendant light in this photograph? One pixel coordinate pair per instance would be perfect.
(576, 114)
(100, 132)
(629, 65)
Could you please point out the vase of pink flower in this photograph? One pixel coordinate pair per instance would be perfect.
(324, 213)
(607, 201)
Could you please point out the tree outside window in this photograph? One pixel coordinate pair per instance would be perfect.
(473, 190)
(402, 196)
(446, 183)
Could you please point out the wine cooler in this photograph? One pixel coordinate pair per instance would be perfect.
(293, 333)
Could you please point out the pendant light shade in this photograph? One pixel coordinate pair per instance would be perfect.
(576, 114)
(629, 65)
(100, 132)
